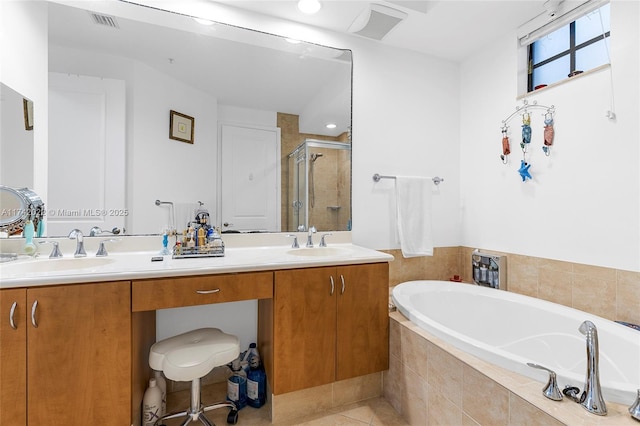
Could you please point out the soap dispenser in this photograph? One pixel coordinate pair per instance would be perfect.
(165, 244)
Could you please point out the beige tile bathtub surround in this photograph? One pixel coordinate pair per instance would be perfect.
(607, 292)
(444, 263)
(460, 389)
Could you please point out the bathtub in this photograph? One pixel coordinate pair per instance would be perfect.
(509, 330)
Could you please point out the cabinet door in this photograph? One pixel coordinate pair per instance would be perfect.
(79, 366)
(363, 320)
(13, 357)
(304, 329)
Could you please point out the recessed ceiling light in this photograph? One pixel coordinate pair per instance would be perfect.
(309, 6)
(331, 125)
(293, 41)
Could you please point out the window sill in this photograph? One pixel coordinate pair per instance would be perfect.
(561, 82)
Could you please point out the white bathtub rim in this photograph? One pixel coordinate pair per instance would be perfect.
(623, 393)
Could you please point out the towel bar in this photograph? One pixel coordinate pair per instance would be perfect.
(377, 177)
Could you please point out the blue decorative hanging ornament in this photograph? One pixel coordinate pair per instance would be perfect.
(524, 170)
(526, 130)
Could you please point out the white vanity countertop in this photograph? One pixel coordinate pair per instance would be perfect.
(239, 256)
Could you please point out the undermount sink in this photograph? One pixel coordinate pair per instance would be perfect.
(54, 265)
(316, 251)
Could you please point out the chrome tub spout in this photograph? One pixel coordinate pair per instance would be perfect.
(591, 398)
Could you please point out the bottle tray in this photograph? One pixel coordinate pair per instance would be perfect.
(191, 252)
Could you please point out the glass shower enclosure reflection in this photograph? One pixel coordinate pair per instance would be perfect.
(319, 187)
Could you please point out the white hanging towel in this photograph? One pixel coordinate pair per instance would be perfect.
(413, 200)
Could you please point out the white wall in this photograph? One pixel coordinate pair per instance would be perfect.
(246, 116)
(405, 115)
(582, 204)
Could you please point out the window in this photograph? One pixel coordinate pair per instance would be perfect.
(573, 48)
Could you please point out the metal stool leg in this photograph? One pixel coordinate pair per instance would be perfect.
(186, 422)
(196, 407)
(196, 410)
(205, 421)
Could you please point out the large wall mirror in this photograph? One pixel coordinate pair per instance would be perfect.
(253, 109)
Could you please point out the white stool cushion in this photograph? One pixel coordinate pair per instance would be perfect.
(192, 355)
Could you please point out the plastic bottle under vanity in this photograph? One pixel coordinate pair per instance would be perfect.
(162, 384)
(256, 379)
(151, 404)
(237, 385)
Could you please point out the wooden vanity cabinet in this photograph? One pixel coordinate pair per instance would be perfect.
(177, 292)
(13, 357)
(323, 331)
(78, 368)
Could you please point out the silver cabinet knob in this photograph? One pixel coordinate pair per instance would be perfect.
(12, 314)
(34, 321)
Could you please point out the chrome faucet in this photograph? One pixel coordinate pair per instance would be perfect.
(102, 251)
(551, 389)
(55, 252)
(312, 230)
(96, 230)
(591, 398)
(294, 244)
(76, 234)
(323, 243)
(634, 409)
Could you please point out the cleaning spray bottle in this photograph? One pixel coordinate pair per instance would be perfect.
(237, 385)
(256, 379)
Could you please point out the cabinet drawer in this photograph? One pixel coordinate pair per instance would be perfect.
(148, 295)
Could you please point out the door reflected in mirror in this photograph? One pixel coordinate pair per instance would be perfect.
(220, 75)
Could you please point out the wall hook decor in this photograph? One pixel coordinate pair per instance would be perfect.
(524, 111)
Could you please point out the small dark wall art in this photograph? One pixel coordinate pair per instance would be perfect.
(181, 127)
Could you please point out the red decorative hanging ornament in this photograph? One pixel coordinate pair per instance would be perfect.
(506, 149)
(548, 133)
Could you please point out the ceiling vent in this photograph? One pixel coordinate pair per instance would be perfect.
(376, 21)
(105, 20)
(417, 5)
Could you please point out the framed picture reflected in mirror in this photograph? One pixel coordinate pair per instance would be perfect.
(28, 114)
(181, 127)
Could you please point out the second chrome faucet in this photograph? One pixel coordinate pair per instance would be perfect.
(591, 398)
(77, 235)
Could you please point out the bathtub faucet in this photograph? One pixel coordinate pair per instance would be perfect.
(591, 398)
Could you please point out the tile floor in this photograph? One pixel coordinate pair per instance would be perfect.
(374, 412)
